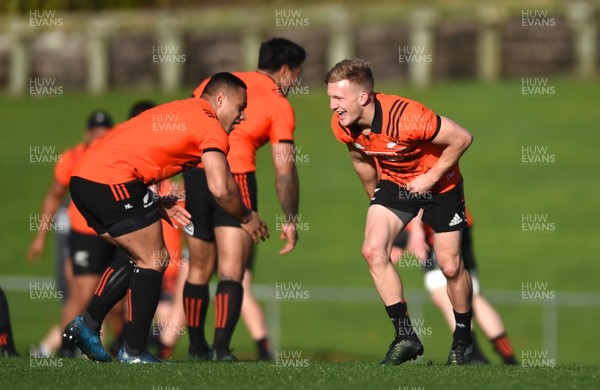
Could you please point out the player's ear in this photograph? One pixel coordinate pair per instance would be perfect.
(285, 71)
(363, 98)
(220, 99)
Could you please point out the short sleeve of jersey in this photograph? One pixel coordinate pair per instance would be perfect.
(340, 133)
(64, 168)
(419, 123)
(284, 123)
(214, 138)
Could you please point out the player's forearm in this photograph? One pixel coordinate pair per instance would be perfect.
(369, 185)
(365, 169)
(449, 157)
(368, 177)
(288, 189)
(230, 199)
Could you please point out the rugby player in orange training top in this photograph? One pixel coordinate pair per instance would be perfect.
(109, 187)
(89, 254)
(417, 152)
(270, 119)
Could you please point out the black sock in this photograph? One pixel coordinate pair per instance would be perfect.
(462, 331)
(228, 306)
(263, 346)
(111, 288)
(398, 313)
(6, 336)
(477, 355)
(143, 295)
(504, 349)
(196, 298)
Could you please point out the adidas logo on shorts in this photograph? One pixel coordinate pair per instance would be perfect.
(456, 220)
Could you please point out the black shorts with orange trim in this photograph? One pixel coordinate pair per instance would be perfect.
(443, 212)
(91, 254)
(116, 209)
(206, 212)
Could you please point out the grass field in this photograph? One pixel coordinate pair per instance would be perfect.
(320, 375)
(500, 190)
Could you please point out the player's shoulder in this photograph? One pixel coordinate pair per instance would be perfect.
(198, 108)
(404, 118)
(262, 86)
(390, 102)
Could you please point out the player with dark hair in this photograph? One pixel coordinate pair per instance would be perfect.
(406, 157)
(270, 119)
(88, 254)
(110, 188)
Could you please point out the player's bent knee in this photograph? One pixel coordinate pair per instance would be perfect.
(451, 270)
(374, 256)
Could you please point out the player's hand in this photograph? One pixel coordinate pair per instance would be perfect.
(421, 184)
(178, 214)
(36, 249)
(256, 228)
(289, 233)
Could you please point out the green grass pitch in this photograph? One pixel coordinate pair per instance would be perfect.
(19, 374)
(500, 189)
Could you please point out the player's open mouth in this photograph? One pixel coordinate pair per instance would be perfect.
(342, 114)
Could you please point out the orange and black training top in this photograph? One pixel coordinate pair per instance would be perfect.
(400, 141)
(269, 118)
(157, 144)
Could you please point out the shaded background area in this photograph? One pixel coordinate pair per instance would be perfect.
(97, 46)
